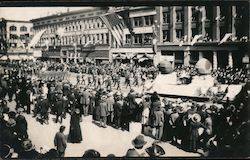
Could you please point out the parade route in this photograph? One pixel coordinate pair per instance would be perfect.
(105, 140)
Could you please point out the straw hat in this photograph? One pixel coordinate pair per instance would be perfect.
(196, 117)
(139, 141)
(6, 151)
(155, 150)
(77, 111)
(11, 123)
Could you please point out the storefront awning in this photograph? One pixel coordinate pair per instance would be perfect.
(99, 54)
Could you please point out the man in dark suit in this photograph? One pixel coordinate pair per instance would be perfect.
(60, 142)
(85, 101)
(132, 104)
(59, 109)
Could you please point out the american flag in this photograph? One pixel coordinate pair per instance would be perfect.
(116, 26)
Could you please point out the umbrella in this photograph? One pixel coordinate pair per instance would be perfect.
(204, 66)
(165, 67)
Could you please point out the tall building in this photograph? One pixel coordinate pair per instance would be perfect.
(85, 35)
(14, 36)
(218, 33)
(184, 35)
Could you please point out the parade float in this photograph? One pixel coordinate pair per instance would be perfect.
(201, 87)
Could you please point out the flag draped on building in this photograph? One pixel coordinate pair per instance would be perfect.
(225, 38)
(36, 39)
(195, 39)
(60, 32)
(115, 25)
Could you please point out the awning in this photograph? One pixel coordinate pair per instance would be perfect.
(99, 54)
(143, 59)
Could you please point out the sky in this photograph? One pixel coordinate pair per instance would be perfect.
(28, 13)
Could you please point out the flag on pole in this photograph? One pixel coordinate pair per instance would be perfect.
(196, 38)
(36, 39)
(115, 25)
(86, 44)
(225, 38)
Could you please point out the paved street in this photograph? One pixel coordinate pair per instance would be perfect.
(105, 140)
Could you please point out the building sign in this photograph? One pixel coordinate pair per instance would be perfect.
(54, 48)
(88, 48)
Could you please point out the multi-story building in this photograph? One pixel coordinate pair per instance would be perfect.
(85, 35)
(14, 36)
(184, 34)
(223, 34)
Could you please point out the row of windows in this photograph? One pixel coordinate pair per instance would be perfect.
(143, 21)
(69, 40)
(197, 14)
(140, 38)
(22, 28)
(75, 26)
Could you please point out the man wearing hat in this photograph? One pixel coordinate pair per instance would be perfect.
(28, 150)
(194, 125)
(110, 107)
(21, 125)
(103, 111)
(85, 101)
(60, 109)
(132, 104)
(60, 141)
(138, 144)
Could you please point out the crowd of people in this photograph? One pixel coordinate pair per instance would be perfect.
(219, 130)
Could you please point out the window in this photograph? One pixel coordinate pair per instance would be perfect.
(149, 20)
(128, 39)
(179, 34)
(166, 35)
(138, 39)
(12, 28)
(148, 38)
(166, 17)
(23, 29)
(13, 36)
(179, 16)
(22, 37)
(137, 21)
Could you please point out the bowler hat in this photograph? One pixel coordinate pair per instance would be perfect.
(91, 153)
(139, 141)
(132, 153)
(27, 145)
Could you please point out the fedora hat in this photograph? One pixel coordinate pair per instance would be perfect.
(180, 109)
(27, 145)
(139, 141)
(11, 123)
(155, 150)
(20, 110)
(91, 153)
(196, 117)
(132, 153)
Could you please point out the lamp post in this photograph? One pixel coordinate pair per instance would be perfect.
(75, 45)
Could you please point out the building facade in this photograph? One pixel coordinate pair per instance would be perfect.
(14, 36)
(85, 35)
(179, 25)
(184, 35)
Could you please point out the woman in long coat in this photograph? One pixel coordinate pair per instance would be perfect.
(75, 133)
